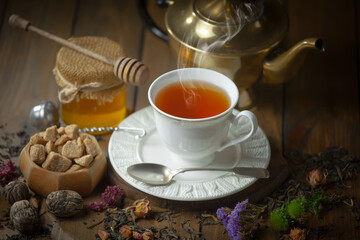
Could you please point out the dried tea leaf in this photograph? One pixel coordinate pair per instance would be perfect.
(24, 216)
(64, 203)
(15, 191)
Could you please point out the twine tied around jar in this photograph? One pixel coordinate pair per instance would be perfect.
(70, 90)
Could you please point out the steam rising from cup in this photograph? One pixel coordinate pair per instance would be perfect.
(204, 38)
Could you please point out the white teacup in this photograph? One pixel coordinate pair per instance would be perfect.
(196, 140)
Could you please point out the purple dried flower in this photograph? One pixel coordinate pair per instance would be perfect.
(233, 228)
(96, 206)
(222, 215)
(110, 198)
(7, 173)
(241, 206)
(111, 195)
(231, 219)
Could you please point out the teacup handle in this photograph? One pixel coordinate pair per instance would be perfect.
(235, 121)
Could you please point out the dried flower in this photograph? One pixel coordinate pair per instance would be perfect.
(296, 208)
(110, 196)
(126, 231)
(137, 236)
(142, 208)
(103, 234)
(96, 206)
(223, 215)
(147, 235)
(317, 178)
(231, 219)
(7, 172)
(296, 234)
(278, 220)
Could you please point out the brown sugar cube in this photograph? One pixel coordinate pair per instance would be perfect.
(51, 133)
(37, 153)
(50, 147)
(37, 139)
(61, 140)
(56, 162)
(61, 130)
(84, 161)
(91, 147)
(73, 149)
(72, 131)
(59, 148)
(74, 168)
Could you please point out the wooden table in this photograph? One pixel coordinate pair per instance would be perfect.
(317, 109)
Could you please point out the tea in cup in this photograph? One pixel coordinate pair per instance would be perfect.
(193, 110)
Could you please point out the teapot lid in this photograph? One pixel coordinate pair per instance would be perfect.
(230, 12)
(227, 26)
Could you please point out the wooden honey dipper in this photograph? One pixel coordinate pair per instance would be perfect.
(129, 70)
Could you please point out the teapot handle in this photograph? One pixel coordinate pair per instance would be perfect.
(149, 21)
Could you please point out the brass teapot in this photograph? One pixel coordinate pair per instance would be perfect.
(236, 38)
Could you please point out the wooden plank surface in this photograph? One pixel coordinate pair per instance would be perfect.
(329, 111)
(27, 60)
(322, 102)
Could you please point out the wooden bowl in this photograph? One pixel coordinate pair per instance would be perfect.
(43, 181)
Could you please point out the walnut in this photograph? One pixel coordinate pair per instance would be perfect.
(15, 191)
(24, 216)
(64, 203)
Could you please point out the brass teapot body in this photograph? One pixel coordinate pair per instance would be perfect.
(236, 38)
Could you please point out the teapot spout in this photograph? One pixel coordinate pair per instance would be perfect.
(284, 66)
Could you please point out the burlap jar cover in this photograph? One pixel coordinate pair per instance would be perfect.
(81, 76)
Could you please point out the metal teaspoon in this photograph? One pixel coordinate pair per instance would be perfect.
(156, 174)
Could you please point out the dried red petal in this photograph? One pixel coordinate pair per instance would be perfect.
(142, 208)
(316, 178)
(148, 236)
(137, 235)
(297, 234)
(111, 195)
(103, 234)
(126, 231)
(96, 206)
(7, 173)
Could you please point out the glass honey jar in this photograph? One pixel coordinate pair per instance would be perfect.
(90, 95)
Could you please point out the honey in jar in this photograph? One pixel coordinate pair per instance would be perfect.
(90, 95)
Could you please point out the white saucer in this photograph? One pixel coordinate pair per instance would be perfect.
(126, 150)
